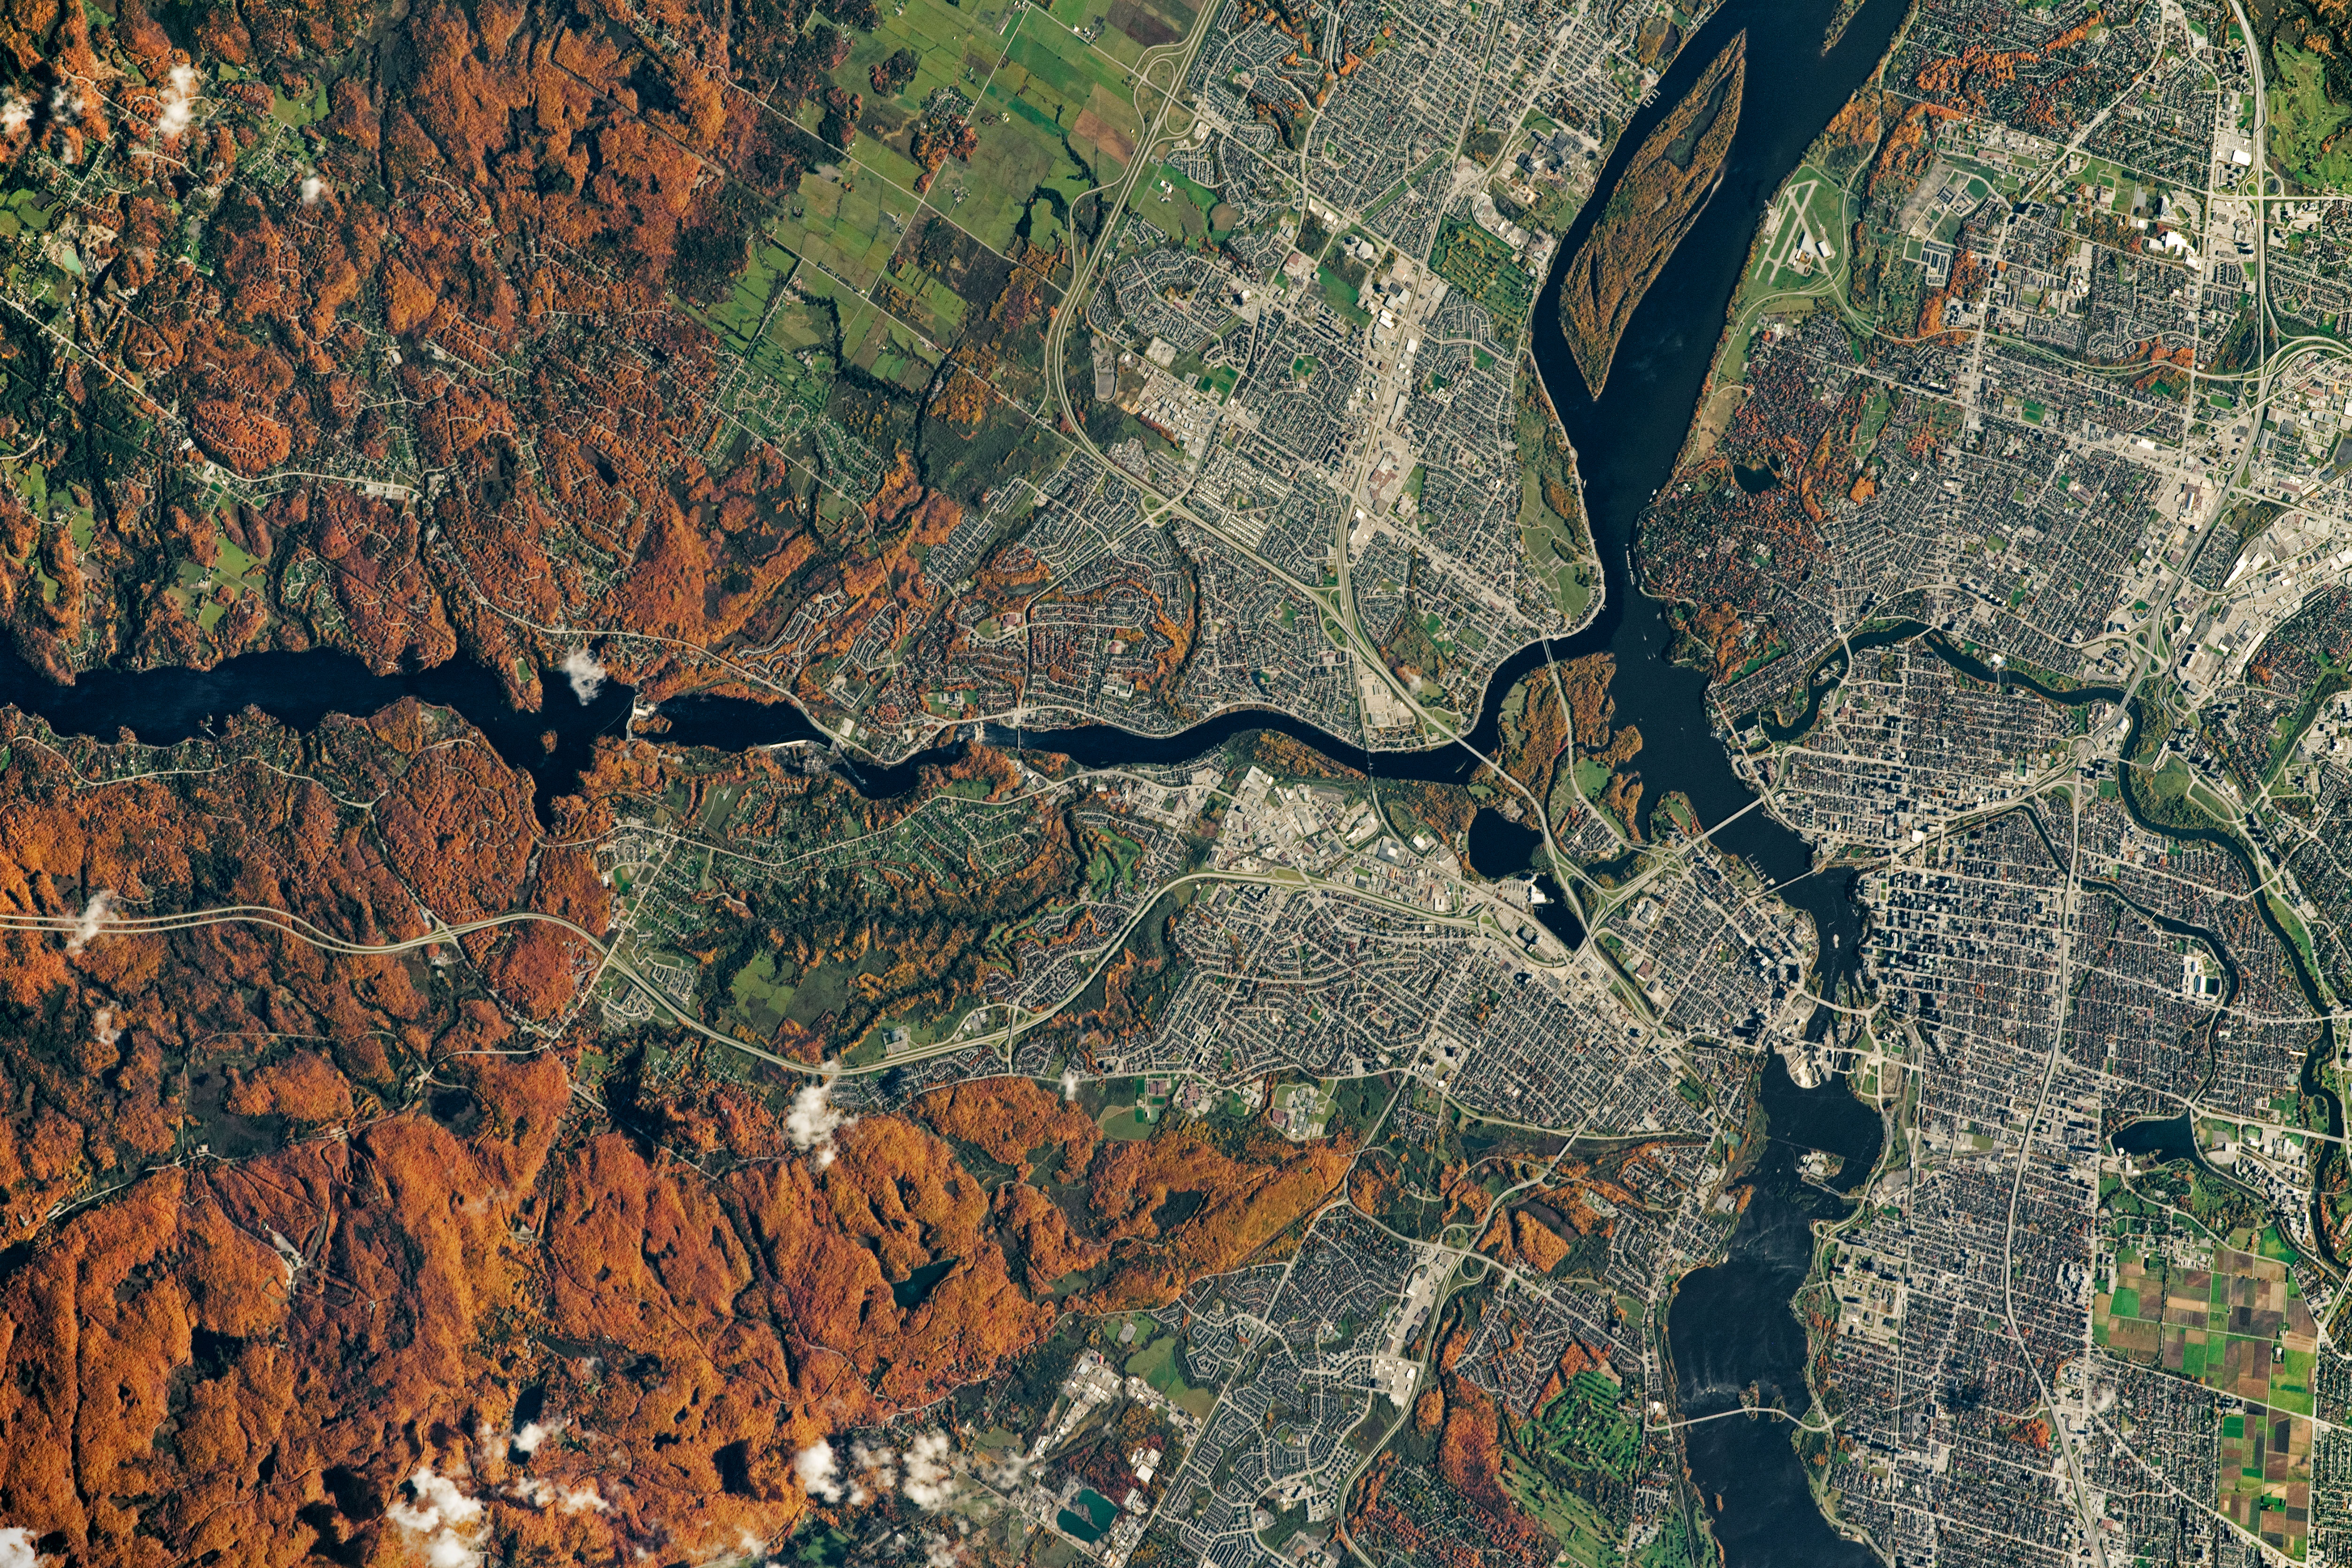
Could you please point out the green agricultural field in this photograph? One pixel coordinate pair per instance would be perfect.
(916, 298)
(1058, 118)
(1123, 29)
(847, 226)
(886, 349)
(2240, 1326)
(758, 998)
(948, 42)
(737, 318)
(23, 213)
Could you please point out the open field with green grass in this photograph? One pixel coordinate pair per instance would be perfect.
(847, 226)
(1175, 206)
(885, 348)
(1057, 117)
(2302, 120)
(1123, 29)
(1158, 1363)
(952, 46)
(1486, 269)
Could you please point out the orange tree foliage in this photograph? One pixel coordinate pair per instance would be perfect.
(1245, 1203)
(1470, 1457)
(338, 1214)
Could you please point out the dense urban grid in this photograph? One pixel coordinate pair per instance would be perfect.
(951, 1143)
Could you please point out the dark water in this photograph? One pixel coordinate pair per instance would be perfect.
(1557, 914)
(1627, 440)
(1732, 1327)
(164, 707)
(2313, 1084)
(1828, 1119)
(916, 1289)
(1498, 846)
(2174, 1138)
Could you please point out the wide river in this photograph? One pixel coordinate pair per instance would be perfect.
(1731, 1326)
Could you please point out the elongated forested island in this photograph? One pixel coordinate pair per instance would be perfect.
(1656, 201)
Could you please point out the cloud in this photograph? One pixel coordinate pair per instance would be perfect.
(534, 1433)
(875, 1469)
(1069, 1084)
(571, 1499)
(587, 676)
(103, 1027)
(66, 105)
(939, 1551)
(814, 1121)
(15, 113)
(930, 1481)
(179, 103)
(814, 1466)
(1008, 1471)
(93, 916)
(17, 1548)
(449, 1521)
(313, 188)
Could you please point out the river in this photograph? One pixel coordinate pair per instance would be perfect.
(1731, 1325)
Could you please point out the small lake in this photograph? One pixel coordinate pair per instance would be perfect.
(1095, 1523)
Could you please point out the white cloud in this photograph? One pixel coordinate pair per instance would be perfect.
(939, 1551)
(93, 916)
(179, 103)
(15, 113)
(587, 676)
(17, 1548)
(1069, 1084)
(814, 1466)
(814, 1122)
(571, 1499)
(875, 1469)
(103, 1027)
(1009, 1471)
(66, 105)
(534, 1433)
(313, 189)
(930, 1481)
(449, 1521)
